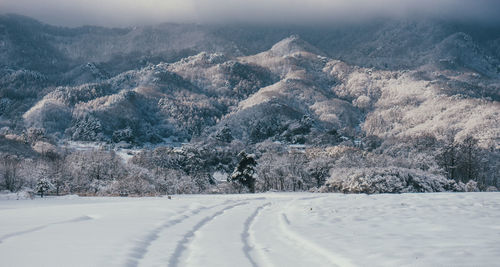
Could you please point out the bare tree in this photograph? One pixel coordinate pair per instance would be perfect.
(9, 167)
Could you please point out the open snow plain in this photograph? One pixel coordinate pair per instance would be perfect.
(273, 229)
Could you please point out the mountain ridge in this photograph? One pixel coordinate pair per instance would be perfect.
(175, 104)
(290, 71)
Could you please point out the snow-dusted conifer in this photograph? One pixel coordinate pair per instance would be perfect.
(224, 134)
(43, 185)
(244, 173)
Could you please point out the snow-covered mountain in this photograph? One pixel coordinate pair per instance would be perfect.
(361, 85)
(104, 73)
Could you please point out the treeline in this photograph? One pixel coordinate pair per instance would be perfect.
(414, 164)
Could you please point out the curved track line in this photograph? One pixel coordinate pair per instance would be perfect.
(311, 198)
(182, 245)
(142, 246)
(245, 235)
(333, 259)
(34, 229)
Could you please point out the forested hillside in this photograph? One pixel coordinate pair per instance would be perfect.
(373, 107)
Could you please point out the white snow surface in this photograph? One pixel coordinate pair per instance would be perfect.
(272, 229)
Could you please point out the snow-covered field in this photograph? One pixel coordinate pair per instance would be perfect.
(274, 229)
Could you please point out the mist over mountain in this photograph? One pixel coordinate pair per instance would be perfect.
(121, 13)
(378, 93)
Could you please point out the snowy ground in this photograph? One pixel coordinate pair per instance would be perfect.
(273, 229)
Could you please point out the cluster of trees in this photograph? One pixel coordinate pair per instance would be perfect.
(419, 163)
(463, 161)
(93, 172)
(391, 180)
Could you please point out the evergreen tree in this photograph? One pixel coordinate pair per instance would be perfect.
(244, 173)
(42, 186)
(224, 134)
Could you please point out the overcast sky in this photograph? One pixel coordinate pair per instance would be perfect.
(133, 12)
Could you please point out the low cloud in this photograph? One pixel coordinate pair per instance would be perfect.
(133, 12)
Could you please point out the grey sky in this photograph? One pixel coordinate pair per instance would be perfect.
(130, 12)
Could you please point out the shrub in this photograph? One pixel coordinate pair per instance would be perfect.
(387, 180)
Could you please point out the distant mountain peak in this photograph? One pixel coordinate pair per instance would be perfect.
(293, 44)
(460, 50)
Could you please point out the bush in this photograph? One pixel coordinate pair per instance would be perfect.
(471, 186)
(491, 189)
(387, 180)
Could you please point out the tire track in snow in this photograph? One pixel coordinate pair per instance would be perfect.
(285, 219)
(248, 244)
(311, 198)
(38, 228)
(142, 247)
(182, 245)
(332, 258)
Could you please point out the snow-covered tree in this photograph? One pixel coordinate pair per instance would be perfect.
(9, 178)
(126, 135)
(244, 173)
(224, 134)
(86, 128)
(387, 180)
(318, 169)
(468, 166)
(43, 185)
(471, 186)
(447, 158)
